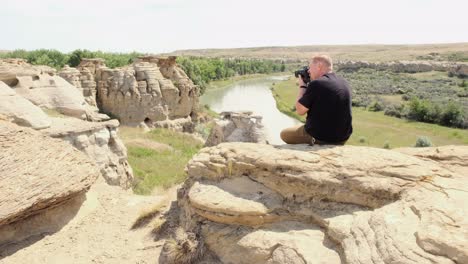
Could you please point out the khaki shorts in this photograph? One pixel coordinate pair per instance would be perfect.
(298, 135)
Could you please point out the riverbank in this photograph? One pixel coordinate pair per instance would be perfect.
(224, 83)
(374, 128)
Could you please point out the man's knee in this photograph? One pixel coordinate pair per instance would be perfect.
(284, 136)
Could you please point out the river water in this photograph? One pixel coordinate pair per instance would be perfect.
(252, 95)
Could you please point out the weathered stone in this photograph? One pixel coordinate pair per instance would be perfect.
(20, 110)
(83, 80)
(42, 87)
(256, 203)
(237, 127)
(38, 172)
(100, 141)
(147, 92)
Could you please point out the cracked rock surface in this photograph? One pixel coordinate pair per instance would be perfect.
(255, 203)
(38, 172)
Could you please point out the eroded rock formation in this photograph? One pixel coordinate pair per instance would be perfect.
(100, 142)
(21, 111)
(152, 92)
(255, 203)
(41, 86)
(237, 127)
(38, 172)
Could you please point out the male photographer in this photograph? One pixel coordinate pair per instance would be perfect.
(326, 99)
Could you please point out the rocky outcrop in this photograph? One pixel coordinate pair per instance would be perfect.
(38, 172)
(83, 77)
(237, 127)
(21, 111)
(41, 86)
(404, 66)
(100, 142)
(255, 203)
(153, 91)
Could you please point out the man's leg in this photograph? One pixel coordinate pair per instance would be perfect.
(296, 135)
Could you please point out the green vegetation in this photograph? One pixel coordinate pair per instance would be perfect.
(375, 128)
(159, 158)
(57, 59)
(422, 142)
(203, 70)
(431, 97)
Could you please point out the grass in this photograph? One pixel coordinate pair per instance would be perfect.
(377, 129)
(158, 167)
(372, 53)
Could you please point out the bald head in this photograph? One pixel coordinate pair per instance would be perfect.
(320, 65)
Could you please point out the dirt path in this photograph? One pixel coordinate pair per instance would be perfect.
(99, 233)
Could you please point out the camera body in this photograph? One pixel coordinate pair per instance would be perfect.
(304, 73)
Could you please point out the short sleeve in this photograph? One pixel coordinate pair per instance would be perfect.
(310, 95)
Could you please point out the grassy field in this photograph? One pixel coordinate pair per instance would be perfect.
(374, 128)
(158, 158)
(373, 53)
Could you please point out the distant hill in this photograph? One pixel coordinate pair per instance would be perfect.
(373, 53)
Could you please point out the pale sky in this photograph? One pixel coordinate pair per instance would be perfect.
(157, 26)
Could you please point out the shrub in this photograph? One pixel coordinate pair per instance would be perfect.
(394, 110)
(386, 145)
(376, 106)
(362, 140)
(452, 115)
(423, 110)
(423, 142)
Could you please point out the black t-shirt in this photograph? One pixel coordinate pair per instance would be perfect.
(329, 102)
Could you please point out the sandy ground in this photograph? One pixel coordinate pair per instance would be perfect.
(100, 232)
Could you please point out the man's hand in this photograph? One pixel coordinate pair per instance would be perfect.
(300, 109)
(301, 82)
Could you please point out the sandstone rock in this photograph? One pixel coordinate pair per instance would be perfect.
(144, 92)
(256, 203)
(83, 80)
(20, 110)
(98, 140)
(38, 172)
(237, 127)
(42, 87)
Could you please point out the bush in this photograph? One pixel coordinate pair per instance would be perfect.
(362, 140)
(376, 106)
(452, 115)
(393, 110)
(424, 111)
(386, 145)
(423, 142)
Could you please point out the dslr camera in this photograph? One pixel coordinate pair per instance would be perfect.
(304, 73)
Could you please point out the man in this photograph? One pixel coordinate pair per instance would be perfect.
(327, 101)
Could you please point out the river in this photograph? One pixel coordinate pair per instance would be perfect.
(252, 95)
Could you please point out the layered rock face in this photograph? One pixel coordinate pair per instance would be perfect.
(41, 86)
(237, 127)
(152, 92)
(255, 203)
(38, 172)
(100, 142)
(406, 66)
(21, 111)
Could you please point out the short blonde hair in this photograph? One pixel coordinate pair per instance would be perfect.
(324, 60)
